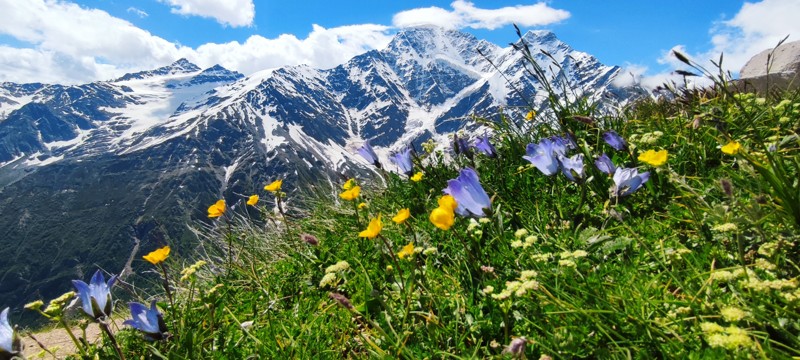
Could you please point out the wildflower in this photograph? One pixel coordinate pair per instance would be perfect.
(650, 138)
(368, 154)
(274, 186)
(401, 216)
(542, 156)
(309, 239)
(627, 181)
(342, 300)
(528, 274)
(443, 216)
(567, 263)
(530, 115)
(252, 200)
(468, 193)
(57, 304)
(517, 244)
(338, 267)
(732, 314)
(541, 257)
(96, 296)
(722, 275)
(407, 250)
(654, 158)
(484, 220)
(484, 146)
(461, 146)
(417, 177)
(35, 305)
(351, 194)
(362, 205)
(726, 227)
(572, 167)
(402, 159)
(604, 164)
(327, 279)
(731, 338)
(217, 209)
(157, 255)
(149, 321)
(562, 143)
(349, 184)
(520, 233)
(764, 264)
(373, 229)
(614, 140)
(731, 148)
(529, 240)
(516, 348)
(488, 289)
(187, 273)
(487, 269)
(429, 251)
(9, 342)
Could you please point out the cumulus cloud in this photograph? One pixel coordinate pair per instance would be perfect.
(465, 14)
(232, 13)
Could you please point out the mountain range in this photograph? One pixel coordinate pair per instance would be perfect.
(89, 171)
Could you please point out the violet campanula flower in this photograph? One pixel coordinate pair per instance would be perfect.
(572, 167)
(470, 197)
(9, 342)
(604, 164)
(627, 181)
(483, 145)
(96, 296)
(614, 140)
(149, 321)
(461, 146)
(561, 144)
(368, 154)
(402, 159)
(542, 155)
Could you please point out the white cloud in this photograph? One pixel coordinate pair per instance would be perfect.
(227, 12)
(465, 14)
(138, 12)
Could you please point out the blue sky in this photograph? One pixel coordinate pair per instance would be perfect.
(75, 41)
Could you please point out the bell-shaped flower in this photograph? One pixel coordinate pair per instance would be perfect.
(484, 146)
(368, 154)
(461, 146)
(561, 144)
(627, 181)
(96, 296)
(402, 159)
(9, 342)
(542, 156)
(149, 321)
(466, 189)
(614, 140)
(604, 164)
(572, 167)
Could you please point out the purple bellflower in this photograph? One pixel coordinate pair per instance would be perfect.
(627, 181)
(561, 144)
(614, 140)
(572, 167)
(402, 159)
(149, 321)
(542, 155)
(469, 194)
(483, 145)
(96, 296)
(368, 154)
(9, 342)
(604, 164)
(461, 146)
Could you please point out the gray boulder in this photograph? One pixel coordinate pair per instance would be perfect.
(764, 73)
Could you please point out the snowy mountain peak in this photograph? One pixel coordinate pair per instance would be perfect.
(181, 66)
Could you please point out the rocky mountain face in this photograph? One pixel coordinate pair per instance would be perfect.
(86, 171)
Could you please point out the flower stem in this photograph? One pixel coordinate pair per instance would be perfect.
(72, 336)
(104, 326)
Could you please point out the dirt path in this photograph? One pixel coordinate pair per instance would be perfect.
(57, 341)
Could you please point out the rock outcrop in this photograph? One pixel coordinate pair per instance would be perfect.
(773, 69)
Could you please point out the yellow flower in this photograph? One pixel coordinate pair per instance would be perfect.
(349, 184)
(417, 177)
(252, 200)
(217, 209)
(443, 216)
(731, 148)
(401, 216)
(530, 115)
(655, 158)
(362, 205)
(373, 229)
(407, 250)
(274, 186)
(351, 194)
(157, 255)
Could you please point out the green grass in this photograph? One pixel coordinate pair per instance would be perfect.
(702, 262)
